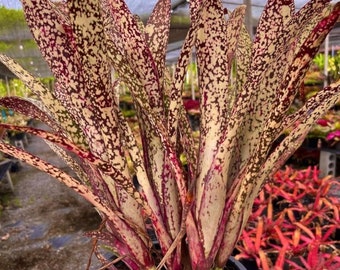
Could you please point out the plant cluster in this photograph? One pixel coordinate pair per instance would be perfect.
(295, 223)
(327, 128)
(198, 211)
(333, 65)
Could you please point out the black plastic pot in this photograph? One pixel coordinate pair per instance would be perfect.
(233, 264)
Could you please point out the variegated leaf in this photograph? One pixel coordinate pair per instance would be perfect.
(115, 175)
(92, 81)
(29, 108)
(137, 53)
(313, 110)
(53, 35)
(286, 48)
(215, 54)
(71, 162)
(154, 212)
(157, 34)
(265, 73)
(137, 230)
(175, 93)
(243, 57)
(152, 152)
(272, 130)
(114, 216)
(56, 109)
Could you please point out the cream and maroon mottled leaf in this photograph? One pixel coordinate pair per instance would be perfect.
(306, 18)
(127, 233)
(312, 110)
(148, 89)
(116, 175)
(242, 65)
(154, 212)
(53, 35)
(56, 40)
(189, 146)
(215, 54)
(195, 7)
(278, 94)
(30, 109)
(126, 33)
(300, 64)
(157, 32)
(91, 89)
(71, 162)
(265, 73)
(175, 102)
(242, 62)
(52, 31)
(271, 129)
(55, 108)
(91, 84)
(309, 113)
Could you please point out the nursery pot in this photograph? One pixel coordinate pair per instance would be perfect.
(233, 264)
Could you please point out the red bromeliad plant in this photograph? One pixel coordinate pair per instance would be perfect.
(198, 213)
(294, 223)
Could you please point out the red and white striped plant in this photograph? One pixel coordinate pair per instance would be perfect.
(197, 214)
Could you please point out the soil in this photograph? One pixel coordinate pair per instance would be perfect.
(43, 223)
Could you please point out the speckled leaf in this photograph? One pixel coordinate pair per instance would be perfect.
(56, 109)
(312, 110)
(189, 146)
(157, 34)
(157, 156)
(271, 129)
(28, 108)
(177, 122)
(154, 154)
(128, 233)
(300, 64)
(215, 53)
(307, 115)
(264, 74)
(105, 167)
(171, 154)
(53, 35)
(154, 212)
(132, 43)
(296, 52)
(194, 7)
(242, 65)
(71, 162)
(85, 86)
(307, 17)
(101, 104)
(243, 56)
(146, 87)
(92, 81)
(275, 48)
(175, 92)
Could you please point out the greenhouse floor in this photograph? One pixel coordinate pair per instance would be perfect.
(42, 223)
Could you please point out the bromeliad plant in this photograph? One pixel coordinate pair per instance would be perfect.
(198, 212)
(294, 223)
